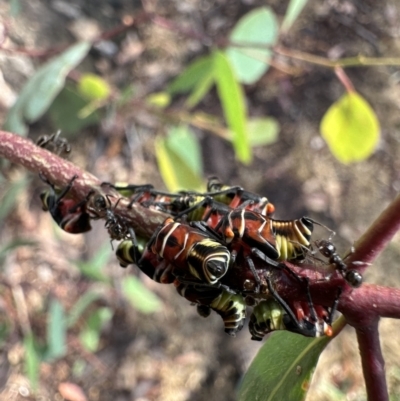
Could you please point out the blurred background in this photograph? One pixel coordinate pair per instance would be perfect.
(67, 310)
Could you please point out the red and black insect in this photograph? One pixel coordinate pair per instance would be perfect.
(328, 249)
(230, 306)
(185, 255)
(279, 240)
(70, 215)
(236, 196)
(175, 204)
(145, 195)
(191, 249)
(303, 317)
(189, 252)
(269, 315)
(129, 252)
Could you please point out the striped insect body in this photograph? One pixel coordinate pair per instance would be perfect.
(70, 215)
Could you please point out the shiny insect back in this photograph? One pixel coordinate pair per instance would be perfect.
(70, 215)
(328, 249)
(278, 239)
(231, 307)
(191, 251)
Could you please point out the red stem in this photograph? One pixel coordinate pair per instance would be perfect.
(378, 235)
(344, 79)
(372, 362)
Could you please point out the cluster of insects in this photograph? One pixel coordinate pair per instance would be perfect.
(220, 249)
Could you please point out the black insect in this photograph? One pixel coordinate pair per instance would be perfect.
(328, 249)
(54, 143)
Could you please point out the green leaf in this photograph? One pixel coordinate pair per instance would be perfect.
(262, 131)
(93, 87)
(195, 73)
(199, 91)
(295, 7)
(160, 99)
(350, 128)
(64, 112)
(81, 305)
(233, 103)
(283, 368)
(39, 92)
(258, 28)
(32, 360)
(56, 331)
(184, 143)
(93, 267)
(8, 201)
(139, 296)
(90, 336)
(179, 159)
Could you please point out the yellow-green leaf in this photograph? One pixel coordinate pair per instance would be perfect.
(350, 128)
(295, 7)
(139, 296)
(179, 160)
(195, 73)
(40, 90)
(263, 131)
(93, 87)
(159, 99)
(231, 96)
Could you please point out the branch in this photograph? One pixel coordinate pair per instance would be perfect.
(23, 152)
(378, 301)
(372, 362)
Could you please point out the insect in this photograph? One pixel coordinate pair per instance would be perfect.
(187, 251)
(303, 318)
(269, 315)
(192, 250)
(328, 249)
(145, 195)
(100, 205)
(235, 196)
(184, 255)
(54, 143)
(70, 215)
(134, 252)
(231, 307)
(278, 239)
